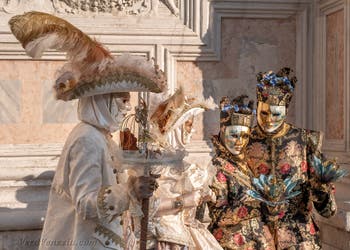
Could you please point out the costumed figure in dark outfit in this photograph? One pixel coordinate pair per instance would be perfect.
(292, 175)
(236, 217)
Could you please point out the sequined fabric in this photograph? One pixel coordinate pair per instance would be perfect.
(286, 155)
(236, 217)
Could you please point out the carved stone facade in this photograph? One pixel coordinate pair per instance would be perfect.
(127, 7)
(208, 46)
(90, 7)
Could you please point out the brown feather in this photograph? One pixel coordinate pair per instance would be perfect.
(164, 112)
(89, 63)
(33, 25)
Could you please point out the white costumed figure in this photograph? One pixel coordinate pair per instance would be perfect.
(86, 199)
(181, 186)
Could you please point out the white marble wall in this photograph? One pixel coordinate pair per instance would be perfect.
(248, 46)
(10, 101)
(57, 111)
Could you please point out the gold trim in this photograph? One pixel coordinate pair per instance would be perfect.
(101, 204)
(274, 96)
(241, 119)
(87, 88)
(110, 235)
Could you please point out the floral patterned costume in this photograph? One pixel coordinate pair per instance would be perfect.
(287, 154)
(236, 217)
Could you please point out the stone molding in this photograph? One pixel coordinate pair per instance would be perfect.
(90, 7)
(190, 36)
(325, 8)
(127, 7)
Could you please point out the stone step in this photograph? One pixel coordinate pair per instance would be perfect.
(22, 219)
(22, 150)
(19, 240)
(11, 173)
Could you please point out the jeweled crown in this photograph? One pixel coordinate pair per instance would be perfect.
(276, 88)
(239, 111)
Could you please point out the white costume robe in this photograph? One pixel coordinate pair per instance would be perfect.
(181, 228)
(86, 202)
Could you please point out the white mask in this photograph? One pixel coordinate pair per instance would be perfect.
(236, 138)
(119, 107)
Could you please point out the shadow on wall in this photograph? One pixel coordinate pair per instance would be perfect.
(23, 217)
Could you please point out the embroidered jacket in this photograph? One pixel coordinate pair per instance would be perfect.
(286, 155)
(86, 202)
(236, 217)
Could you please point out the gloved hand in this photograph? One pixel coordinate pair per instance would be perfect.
(144, 186)
(192, 199)
(208, 195)
(327, 171)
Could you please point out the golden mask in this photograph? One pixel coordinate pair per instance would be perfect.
(270, 117)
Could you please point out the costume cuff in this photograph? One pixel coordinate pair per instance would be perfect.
(324, 200)
(208, 195)
(154, 206)
(318, 187)
(113, 200)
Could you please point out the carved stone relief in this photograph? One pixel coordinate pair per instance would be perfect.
(127, 7)
(173, 5)
(90, 7)
(20, 6)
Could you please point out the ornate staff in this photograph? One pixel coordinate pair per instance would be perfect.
(153, 147)
(141, 117)
(140, 147)
(91, 69)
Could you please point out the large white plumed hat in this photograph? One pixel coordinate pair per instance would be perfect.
(91, 69)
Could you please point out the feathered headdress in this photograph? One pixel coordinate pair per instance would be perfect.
(91, 69)
(177, 109)
(167, 114)
(276, 89)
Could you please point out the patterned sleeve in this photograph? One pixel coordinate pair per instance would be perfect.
(323, 194)
(220, 188)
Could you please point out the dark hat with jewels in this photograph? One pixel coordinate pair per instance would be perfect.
(276, 88)
(239, 111)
